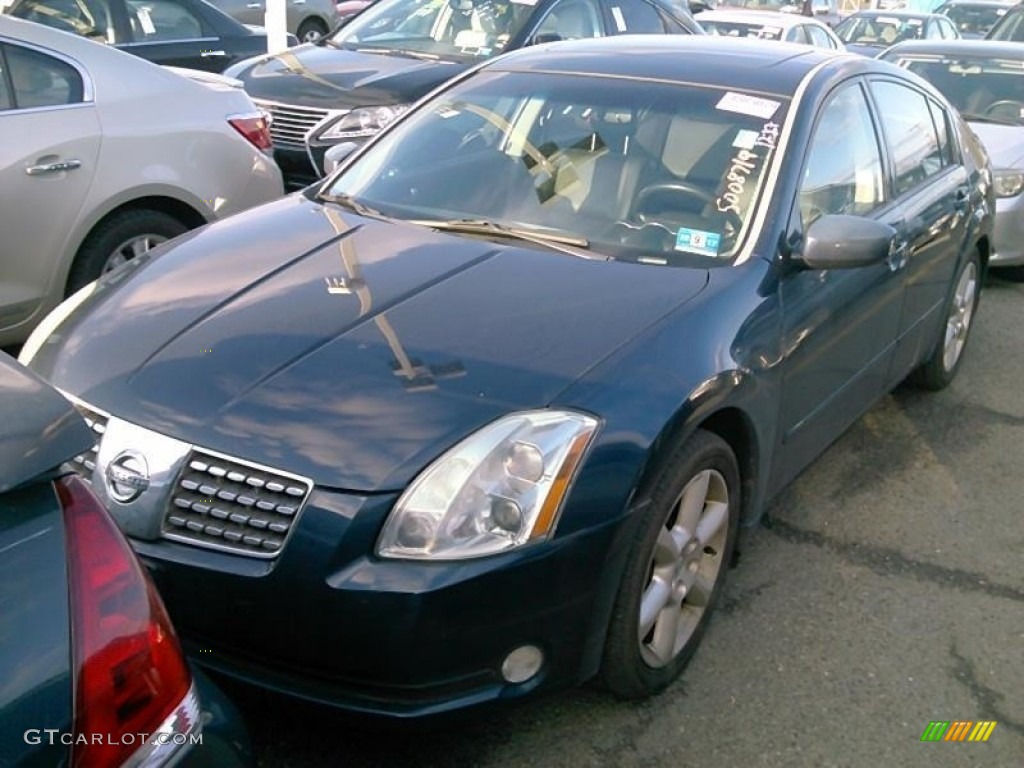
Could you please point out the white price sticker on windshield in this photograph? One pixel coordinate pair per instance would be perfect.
(745, 104)
(145, 21)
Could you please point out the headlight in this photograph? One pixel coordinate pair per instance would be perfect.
(1008, 183)
(360, 123)
(498, 489)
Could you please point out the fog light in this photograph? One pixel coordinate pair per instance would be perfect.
(522, 664)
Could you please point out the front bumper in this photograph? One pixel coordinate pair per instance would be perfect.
(1008, 236)
(328, 623)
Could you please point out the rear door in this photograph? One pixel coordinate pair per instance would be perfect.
(930, 188)
(47, 161)
(839, 325)
(174, 33)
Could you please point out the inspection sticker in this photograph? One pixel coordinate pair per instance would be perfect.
(746, 139)
(745, 104)
(696, 241)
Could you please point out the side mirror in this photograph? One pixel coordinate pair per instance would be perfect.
(336, 155)
(844, 242)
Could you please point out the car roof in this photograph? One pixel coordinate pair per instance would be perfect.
(989, 49)
(748, 64)
(758, 18)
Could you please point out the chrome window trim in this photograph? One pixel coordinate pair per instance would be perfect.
(88, 87)
(137, 43)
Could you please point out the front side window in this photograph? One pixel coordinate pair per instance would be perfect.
(42, 81)
(636, 170)
(843, 169)
(982, 88)
(459, 29)
(910, 132)
(158, 21)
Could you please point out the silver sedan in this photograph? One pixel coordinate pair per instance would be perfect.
(984, 79)
(105, 155)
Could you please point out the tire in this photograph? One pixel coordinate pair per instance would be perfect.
(939, 370)
(702, 471)
(118, 239)
(311, 30)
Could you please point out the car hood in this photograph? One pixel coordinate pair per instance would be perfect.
(347, 349)
(1004, 143)
(329, 78)
(40, 430)
(864, 49)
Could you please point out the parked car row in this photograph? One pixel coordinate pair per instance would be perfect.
(481, 414)
(105, 156)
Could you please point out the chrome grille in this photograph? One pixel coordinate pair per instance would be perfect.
(289, 123)
(224, 503)
(85, 463)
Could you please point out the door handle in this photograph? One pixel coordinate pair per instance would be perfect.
(63, 165)
(898, 255)
(211, 54)
(962, 199)
(254, 5)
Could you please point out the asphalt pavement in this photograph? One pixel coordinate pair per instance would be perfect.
(885, 590)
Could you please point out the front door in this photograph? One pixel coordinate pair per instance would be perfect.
(839, 325)
(47, 162)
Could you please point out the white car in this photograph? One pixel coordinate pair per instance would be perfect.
(103, 155)
(769, 25)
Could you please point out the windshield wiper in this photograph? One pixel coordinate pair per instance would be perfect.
(558, 241)
(347, 201)
(975, 118)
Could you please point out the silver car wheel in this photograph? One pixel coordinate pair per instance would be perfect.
(961, 312)
(684, 568)
(129, 249)
(311, 36)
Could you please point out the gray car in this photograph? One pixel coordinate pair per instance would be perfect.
(308, 20)
(985, 81)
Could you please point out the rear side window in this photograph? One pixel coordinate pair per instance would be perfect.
(635, 17)
(906, 116)
(820, 38)
(5, 91)
(843, 170)
(40, 80)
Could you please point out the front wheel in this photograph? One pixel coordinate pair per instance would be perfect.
(311, 30)
(681, 552)
(940, 369)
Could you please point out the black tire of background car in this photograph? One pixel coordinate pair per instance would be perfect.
(932, 374)
(623, 670)
(310, 25)
(109, 233)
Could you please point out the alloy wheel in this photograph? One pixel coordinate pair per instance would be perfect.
(961, 312)
(130, 248)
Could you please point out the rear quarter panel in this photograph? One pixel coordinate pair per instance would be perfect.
(35, 638)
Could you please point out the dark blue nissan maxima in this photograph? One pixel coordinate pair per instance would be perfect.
(481, 415)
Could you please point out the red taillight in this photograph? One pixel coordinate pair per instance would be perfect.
(130, 672)
(255, 129)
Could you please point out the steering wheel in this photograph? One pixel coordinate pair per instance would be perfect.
(996, 106)
(680, 188)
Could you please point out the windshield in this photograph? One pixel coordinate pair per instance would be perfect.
(869, 29)
(974, 20)
(979, 87)
(438, 28)
(741, 29)
(1010, 29)
(636, 170)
